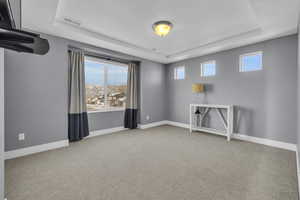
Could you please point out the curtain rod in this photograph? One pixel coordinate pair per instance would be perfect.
(103, 56)
(110, 58)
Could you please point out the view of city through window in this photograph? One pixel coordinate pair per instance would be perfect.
(106, 84)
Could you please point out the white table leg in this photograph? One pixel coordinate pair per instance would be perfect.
(229, 123)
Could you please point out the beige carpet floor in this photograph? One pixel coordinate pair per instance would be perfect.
(161, 163)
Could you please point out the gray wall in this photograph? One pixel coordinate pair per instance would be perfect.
(153, 92)
(36, 95)
(265, 99)
(36, 92)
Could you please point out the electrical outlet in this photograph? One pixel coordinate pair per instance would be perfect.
(147, 117)
(21, 136)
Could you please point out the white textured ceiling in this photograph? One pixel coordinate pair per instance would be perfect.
(200, 26)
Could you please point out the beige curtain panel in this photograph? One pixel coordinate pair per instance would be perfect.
(131, 112)
(77, 116)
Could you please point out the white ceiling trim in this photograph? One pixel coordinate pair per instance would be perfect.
(209, 44)
(102, 36)
(106, 41)
(250, 37)
(105, 38)
(236, 41)
(58, 27)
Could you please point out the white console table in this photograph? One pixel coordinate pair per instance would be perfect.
(196, 120)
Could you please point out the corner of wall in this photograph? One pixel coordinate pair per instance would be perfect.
(167, 94)
(166, 105)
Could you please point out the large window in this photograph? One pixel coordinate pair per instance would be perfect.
(208, 68)
(251, 62)
(106, 84)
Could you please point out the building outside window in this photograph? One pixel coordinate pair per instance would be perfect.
(106, 85)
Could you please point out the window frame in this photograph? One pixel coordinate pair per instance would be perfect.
(175, 74)
(208, 62)
(251, 54)
(99, 60)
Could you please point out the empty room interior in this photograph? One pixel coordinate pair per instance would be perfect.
(149, 100)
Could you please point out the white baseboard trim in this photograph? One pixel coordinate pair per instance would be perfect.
(153, 124)
(268, 142)
(54, 145)
(178, 124)
(64, 143)
(106, 131)
(165, 122)
(35, 149)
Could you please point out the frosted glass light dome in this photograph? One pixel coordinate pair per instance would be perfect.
(162, 28)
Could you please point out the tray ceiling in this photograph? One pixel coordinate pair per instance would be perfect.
(200, 26)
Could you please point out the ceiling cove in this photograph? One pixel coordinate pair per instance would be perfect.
(200, 27)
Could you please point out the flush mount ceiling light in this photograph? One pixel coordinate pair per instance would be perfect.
(162, 28)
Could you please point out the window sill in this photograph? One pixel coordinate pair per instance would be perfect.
(107, 110)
